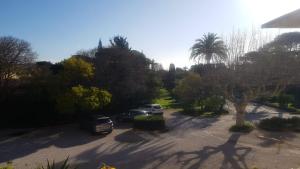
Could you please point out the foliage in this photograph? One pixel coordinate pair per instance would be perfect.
(126, 74)
(251, 72)
(87, 55)
(64, 165)
(81, 99)
(280, 124)
(213, 103)
(209, 48)
(15, 57)
(152, 122)
(7, 166)
(104, 166)
(293, 110)
(287, 41)
(119, 42)
(170, 78)
(245, 128)
(164, 99)
(76, 71)
(188, 90)
(284, 100)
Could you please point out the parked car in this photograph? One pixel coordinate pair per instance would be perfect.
(153, 109)
(129, 116)
(97, 124)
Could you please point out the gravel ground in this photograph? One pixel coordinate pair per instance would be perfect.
(189, 143)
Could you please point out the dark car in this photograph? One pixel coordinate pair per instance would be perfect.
(97, 124)
(153, 109)
(129, 116)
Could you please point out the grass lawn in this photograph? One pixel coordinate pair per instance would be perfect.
(165, 99)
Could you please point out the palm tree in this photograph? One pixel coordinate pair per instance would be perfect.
(210, 48)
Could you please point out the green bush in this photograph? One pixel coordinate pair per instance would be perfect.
(152, 122)
(293, 109)
(247, 127)
(280, 124)
(64, 165)
(214, 103)
(83, 99)
(7, 166)
(284, 100)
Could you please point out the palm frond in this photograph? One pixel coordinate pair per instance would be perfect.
(209, 47)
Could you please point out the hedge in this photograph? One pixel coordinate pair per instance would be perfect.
(246, 128)
(280, 124)
(152, 122)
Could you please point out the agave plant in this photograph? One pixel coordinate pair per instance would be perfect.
(52, 165)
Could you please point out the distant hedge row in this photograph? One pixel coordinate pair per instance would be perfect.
(281, 124)
(152, 122)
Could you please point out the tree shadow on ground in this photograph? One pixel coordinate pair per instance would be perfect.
(272, 138)
(234, 156)
(61, 136)
(256, 116)
(183, 123)
(131, 136)
(122, 125)
(155, 155)
(126, 156)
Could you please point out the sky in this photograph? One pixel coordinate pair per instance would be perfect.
(164, 30)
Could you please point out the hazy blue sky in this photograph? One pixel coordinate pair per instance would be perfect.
(163, 29)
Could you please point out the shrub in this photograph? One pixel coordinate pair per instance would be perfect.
(280, 124)
(64, 165)
(284, 100)
(214, 103)
(247, 127)
(84, 99)
(293, 109)
(152, 122)
(7, 166)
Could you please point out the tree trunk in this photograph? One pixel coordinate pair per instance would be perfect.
(240, 113)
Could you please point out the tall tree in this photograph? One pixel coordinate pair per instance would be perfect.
(170, 77)
(252, 74)
(119, 42)
(15, 55)
(125, 74)
(209, 48)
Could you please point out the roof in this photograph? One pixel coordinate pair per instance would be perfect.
(290, 20)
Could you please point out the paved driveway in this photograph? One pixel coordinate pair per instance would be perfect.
(190, 143)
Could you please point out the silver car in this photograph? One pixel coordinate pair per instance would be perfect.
(153, 108)
(97, 124)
